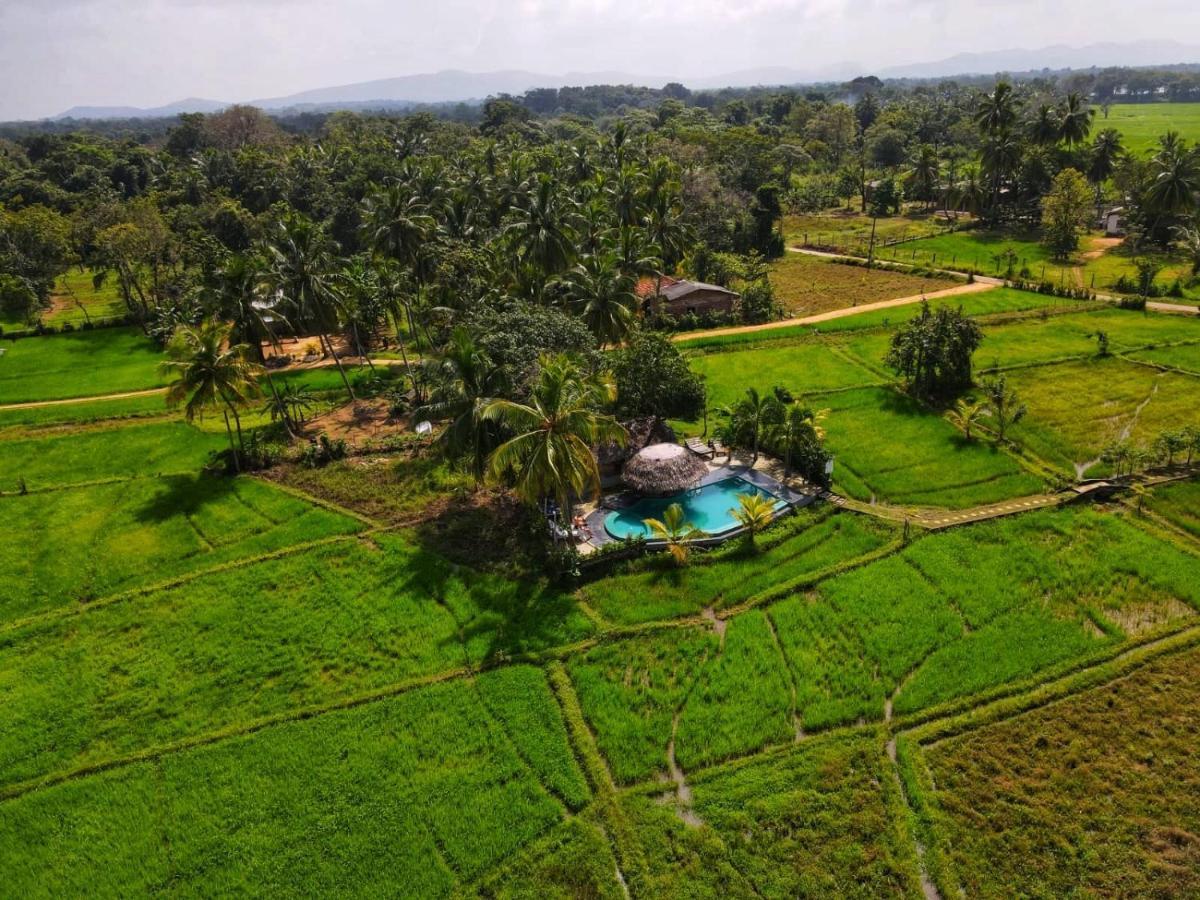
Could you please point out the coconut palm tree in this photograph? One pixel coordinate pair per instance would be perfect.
(550, 453)
(1001, 157)
(464, 381)
(676, 533)
(799, 429)
(1176, 186)
(1107, 150)
(604, 297)
(967, 413)
(1076, 122)
(1045, 128)
(208, 372)
(541, 232)
(997, 111)
(397, 226)
(925, 174)
(752, 416)
(1004, 404)
(301, 272)
(754, 512)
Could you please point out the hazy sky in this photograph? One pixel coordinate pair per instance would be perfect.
(59, 53)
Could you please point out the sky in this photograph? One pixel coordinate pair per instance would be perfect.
(55, 54)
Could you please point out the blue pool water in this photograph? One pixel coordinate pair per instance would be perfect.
(709, 508)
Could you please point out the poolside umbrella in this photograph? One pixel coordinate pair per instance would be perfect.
(662, 469)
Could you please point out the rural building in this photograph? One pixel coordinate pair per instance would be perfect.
(1113, 222)
(678, 297)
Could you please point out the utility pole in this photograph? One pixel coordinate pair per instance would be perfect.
(871, 251)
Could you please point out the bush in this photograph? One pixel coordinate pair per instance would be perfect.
(322, 451)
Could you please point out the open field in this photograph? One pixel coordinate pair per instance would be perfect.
(1095, 266)
(80, 364)
(842, 227)
(72, 546)
(76, 300)
(61, 457)
(1094, 795)
(806, 285)
(1179, 504)
(285, 809)
(1086, 405)
(956, 613)
(1142, 124)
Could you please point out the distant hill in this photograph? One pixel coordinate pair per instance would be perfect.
(457, 86)
(191, 104)
(1138, 53)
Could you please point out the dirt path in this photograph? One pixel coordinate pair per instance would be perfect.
(36, 403)
(838, 313)
(96, 398)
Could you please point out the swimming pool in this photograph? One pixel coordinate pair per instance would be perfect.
(709, 508)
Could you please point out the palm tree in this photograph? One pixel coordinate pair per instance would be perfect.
(1189, 239)
(925, 174)
(967, 413)
(208, 372)
(1107, 150)
(301, 273)
(236, 291)
(551, 451)
(677, 534)
(1004, 404)
(997, 111)
(754, 512)
(751, 416)
(800, 429)
(604, 296)
(1176, 185)
(1045, 128)
(1001, 157)
(1076, 122)
(464, 381)
(398, 227)
(541, 233)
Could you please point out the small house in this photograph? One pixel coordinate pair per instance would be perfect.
(1113, 222)
(679, 297)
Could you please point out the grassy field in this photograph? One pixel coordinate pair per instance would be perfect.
(1086, 405)
(842, 227)
(214, 685)
(805, 285)
(1092, 796)
(286, 810)
(80, 364)
(73, 546)
(1142, 124)
(76, 300)
(74, 456)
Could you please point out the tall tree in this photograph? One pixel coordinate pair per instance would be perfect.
(550, 453)
(207, 372)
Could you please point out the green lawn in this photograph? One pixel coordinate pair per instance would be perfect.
(63, 457)
(851, 228)
(80, 364)
(83, 412)
(76, 545)
(888, 448)
(1142, 124)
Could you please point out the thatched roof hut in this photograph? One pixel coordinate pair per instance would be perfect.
(663, 469)
(640, 432)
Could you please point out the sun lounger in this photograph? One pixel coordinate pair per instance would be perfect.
(701, 449)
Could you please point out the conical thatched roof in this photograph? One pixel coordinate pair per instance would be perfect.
(662, 469)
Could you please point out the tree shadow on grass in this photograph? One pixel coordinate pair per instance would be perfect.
(183, 495)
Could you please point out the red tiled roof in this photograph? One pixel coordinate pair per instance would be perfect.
(647, 287)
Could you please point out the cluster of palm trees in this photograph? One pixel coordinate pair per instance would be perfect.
(1000, 403)
(791, 428)
(753, 513)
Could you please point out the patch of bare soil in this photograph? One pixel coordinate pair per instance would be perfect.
(1099, 246)
(359, 423)
(1139, 618)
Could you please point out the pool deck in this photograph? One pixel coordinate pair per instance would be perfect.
(793, 491)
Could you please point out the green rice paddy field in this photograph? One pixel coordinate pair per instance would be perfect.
(216, 685)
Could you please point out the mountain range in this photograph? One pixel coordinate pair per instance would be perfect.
(453, 86)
